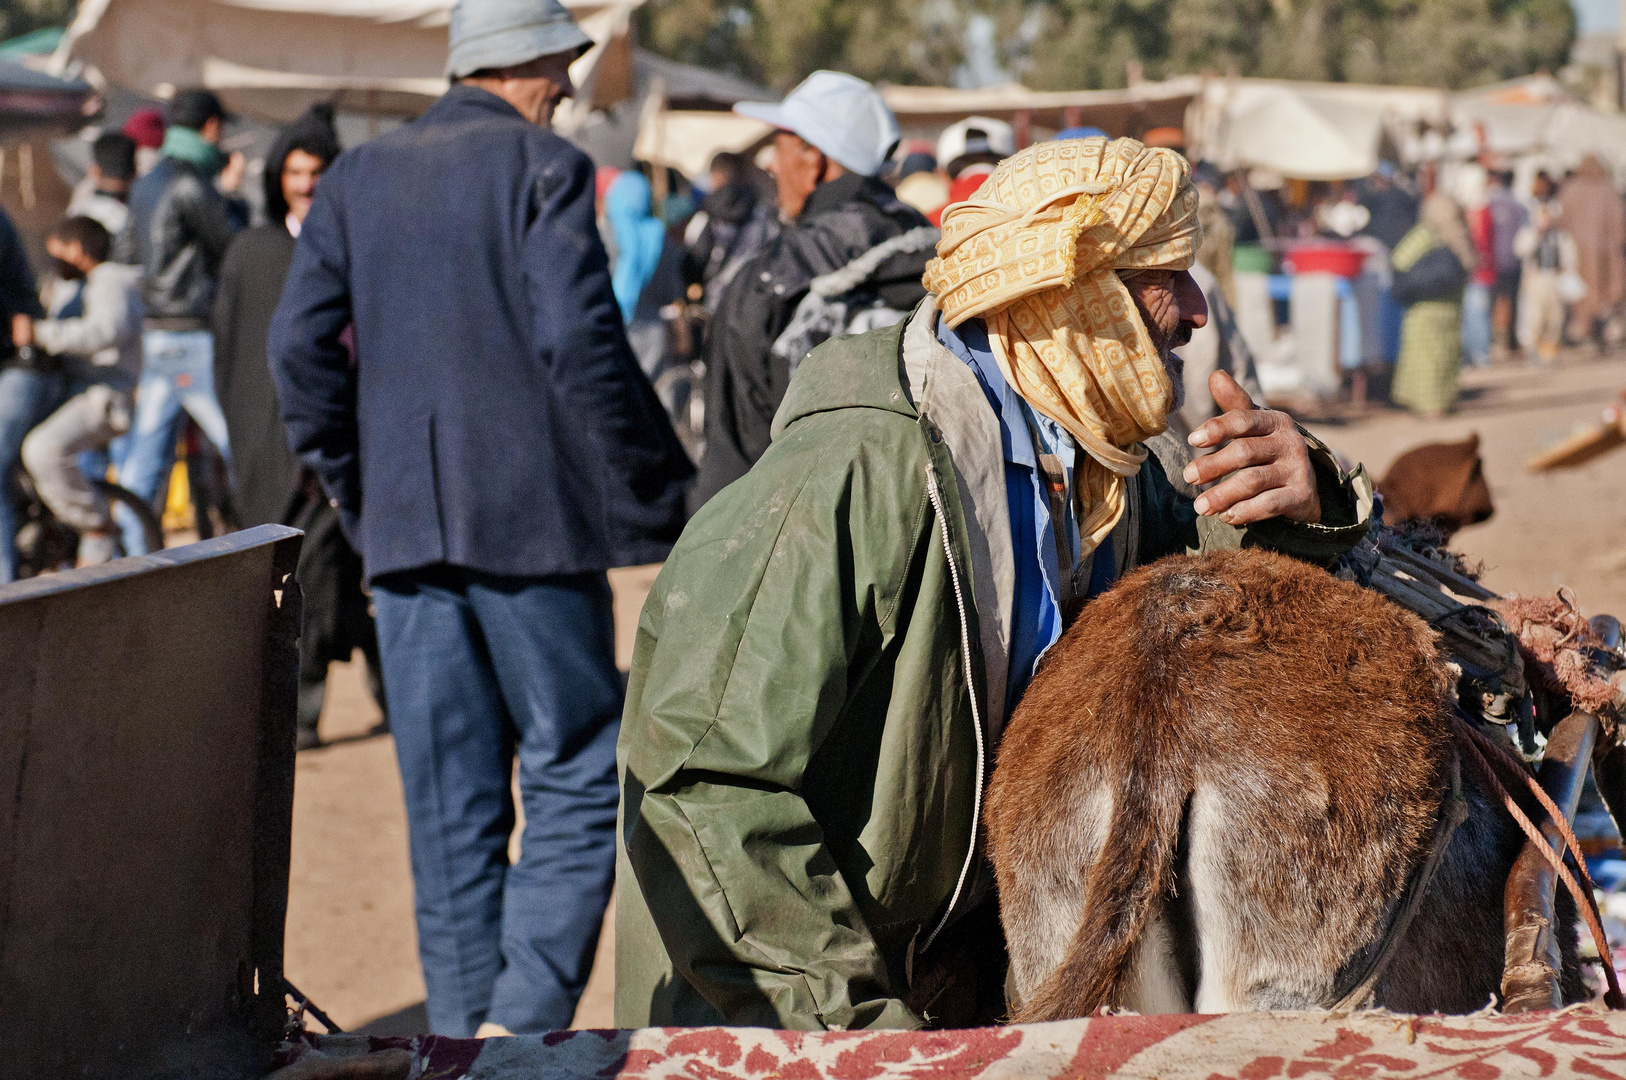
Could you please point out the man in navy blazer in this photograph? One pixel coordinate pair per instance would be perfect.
(492, 448)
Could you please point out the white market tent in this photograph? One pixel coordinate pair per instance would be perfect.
(1535, 118)
(924, 111)
(687, 139)
(270, 59)
(1310, 131)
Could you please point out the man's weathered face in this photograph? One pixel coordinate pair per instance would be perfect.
(1171, 304)
(798, 167)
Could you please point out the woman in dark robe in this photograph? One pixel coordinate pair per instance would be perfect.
(272, 487)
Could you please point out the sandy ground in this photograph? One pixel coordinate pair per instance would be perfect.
(350, 930)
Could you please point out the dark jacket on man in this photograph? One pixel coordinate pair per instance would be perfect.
(180, 227)
(735, 222)
(494, 418)
(270, 485)
(18, 293)
(745, 382)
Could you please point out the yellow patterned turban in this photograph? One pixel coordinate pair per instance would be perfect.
(1034, 254)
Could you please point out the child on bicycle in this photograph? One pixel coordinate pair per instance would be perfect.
(95, 329)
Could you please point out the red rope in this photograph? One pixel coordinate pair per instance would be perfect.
(1584, 899)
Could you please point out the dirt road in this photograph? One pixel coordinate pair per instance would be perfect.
(350, 928)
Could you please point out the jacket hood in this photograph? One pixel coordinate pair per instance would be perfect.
(864, 371)
(313, 133)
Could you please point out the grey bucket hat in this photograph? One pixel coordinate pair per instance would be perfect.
(502, 33)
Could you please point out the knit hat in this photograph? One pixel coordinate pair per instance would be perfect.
(502, 33)
(842, 115)
(146, 127)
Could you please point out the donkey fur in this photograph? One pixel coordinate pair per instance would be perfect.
(1215, 790)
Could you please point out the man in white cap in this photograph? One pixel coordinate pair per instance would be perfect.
(834, 135)
(492, 448)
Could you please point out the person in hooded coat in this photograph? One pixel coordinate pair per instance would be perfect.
(271, 486)
(1592, 213)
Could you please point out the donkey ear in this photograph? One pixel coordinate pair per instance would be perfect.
(1473, 443)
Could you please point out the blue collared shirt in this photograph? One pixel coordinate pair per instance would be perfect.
(1036, 609)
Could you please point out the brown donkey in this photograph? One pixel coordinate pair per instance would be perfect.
(1215, 791)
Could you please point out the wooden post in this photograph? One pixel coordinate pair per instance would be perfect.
(1072, 116)
(1022, 121)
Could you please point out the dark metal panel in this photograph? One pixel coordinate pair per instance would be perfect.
(146, 792)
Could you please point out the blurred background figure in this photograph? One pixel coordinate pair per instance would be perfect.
(1507, 216)
(94, 333)
(1548, 280)
(1472, 192)
(1218, 250)
(640, 237)
(104, 194)
(648, 271)
(834, 135)
(921, 185)
(1391, 209)
(181, 223)
(1591, 212)
(30, 385)
(603, 177)
(1431, 268)
(147, 127)
(968, 151)
(737, 219)
(269, 485)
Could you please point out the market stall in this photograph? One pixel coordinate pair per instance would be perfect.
(271, 59)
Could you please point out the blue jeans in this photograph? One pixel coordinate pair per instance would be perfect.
(1476, 324)
(480, 669)
(178, 372)
(26, 399)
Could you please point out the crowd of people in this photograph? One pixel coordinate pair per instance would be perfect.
(1455, 273)
(156, 310)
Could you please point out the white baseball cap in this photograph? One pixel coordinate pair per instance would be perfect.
(981, 138)
(840, 114)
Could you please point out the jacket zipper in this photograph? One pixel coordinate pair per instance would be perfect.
(936, 497)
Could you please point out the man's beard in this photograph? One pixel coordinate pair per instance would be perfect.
(1173, 363)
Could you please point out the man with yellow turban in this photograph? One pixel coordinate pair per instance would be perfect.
(827, 660)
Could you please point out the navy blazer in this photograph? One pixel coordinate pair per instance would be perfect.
(494, 417)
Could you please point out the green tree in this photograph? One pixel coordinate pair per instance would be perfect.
(779, 42)
(1447, 43)
(1082, 44)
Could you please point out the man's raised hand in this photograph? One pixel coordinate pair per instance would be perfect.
(1261, 455)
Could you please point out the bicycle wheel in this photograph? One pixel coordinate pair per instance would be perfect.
(150, 527)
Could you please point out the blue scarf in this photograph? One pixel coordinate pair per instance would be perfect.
(639, 239)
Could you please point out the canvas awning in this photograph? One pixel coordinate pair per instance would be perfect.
(928, 109)
(1310, 131)
(270, 59)
(687, 140)
(1536, 117)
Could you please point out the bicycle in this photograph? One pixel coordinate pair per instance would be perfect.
(45, 544)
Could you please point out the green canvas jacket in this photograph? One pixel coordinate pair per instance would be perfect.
(818, 687)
